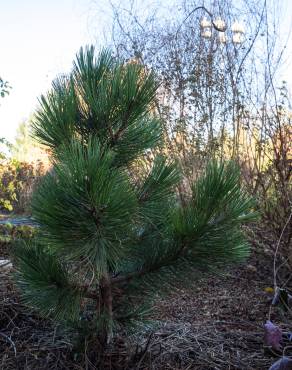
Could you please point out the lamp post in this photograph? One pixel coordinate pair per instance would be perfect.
(220, 27)
(217, 24)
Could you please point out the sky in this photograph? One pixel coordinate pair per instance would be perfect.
(39, 39)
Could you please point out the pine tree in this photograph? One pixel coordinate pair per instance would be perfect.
(109, 236)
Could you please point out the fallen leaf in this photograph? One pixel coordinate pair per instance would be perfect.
(272, 336)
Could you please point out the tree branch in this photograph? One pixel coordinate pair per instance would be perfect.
(136, 274)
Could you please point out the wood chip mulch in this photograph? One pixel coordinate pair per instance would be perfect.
(215, 323)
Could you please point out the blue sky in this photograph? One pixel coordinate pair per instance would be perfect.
(39, 39)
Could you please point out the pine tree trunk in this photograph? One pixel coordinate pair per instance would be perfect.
(106, 309)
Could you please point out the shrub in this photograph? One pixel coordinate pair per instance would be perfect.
(9, 234)
(17, 180)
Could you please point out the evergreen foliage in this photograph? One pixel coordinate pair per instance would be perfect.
(106, 237)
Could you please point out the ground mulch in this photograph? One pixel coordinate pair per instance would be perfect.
(214, 323)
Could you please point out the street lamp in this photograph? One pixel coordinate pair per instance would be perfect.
(238, 32)
(206, 28)
(220, 26)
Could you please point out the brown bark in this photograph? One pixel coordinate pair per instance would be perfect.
(105, 307)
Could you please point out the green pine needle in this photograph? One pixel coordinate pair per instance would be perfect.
(45, 283)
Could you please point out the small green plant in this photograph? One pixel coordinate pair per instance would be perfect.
(109, 239)
(10, 232)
